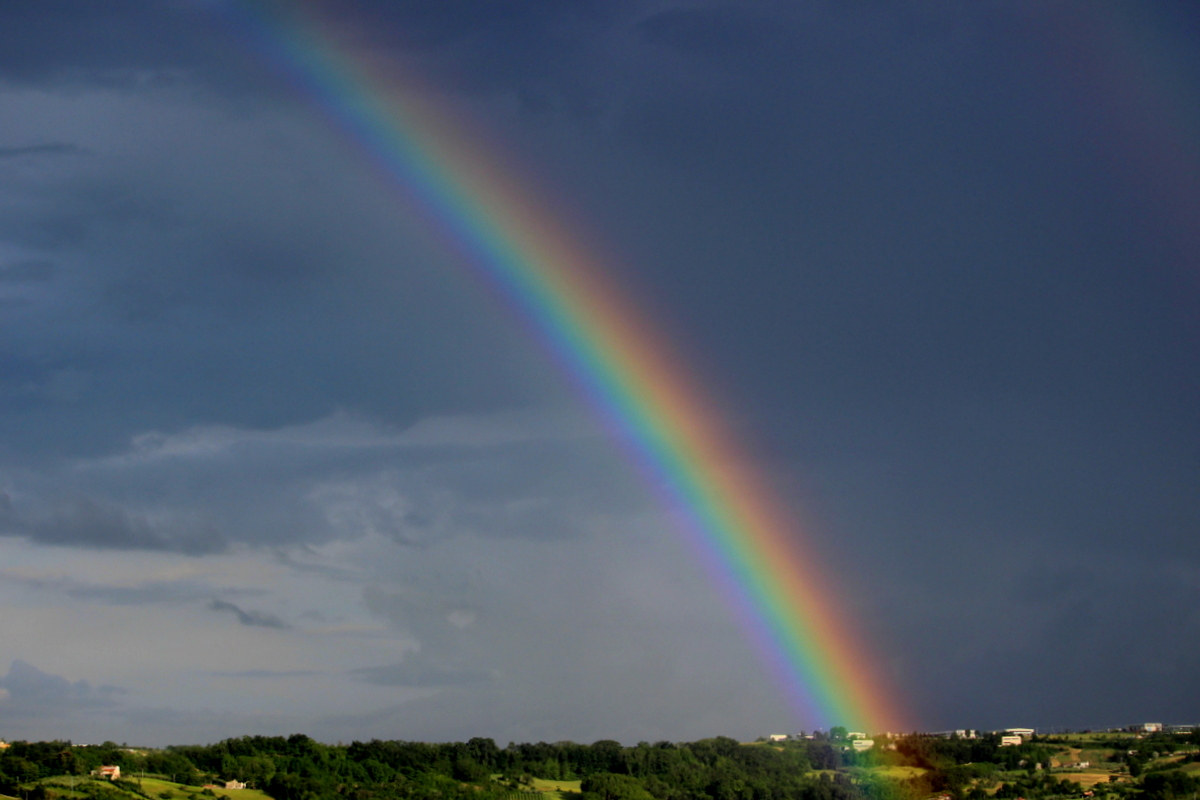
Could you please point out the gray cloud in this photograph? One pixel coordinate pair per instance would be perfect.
(32, 692)
(144, 593)
(258, 619)
(86, 521)
(47, 149)
(712, 32)
(268, 673)
(29, 271)
(420, 672)
(122, 43)
(524, 475)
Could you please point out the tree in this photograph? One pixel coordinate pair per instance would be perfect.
(1169, 785)
(608, 786)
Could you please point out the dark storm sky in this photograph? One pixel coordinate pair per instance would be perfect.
(272, 461)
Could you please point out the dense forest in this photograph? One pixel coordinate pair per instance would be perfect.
(911, 767)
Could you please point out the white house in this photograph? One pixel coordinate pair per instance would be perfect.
(1010, 740)
(860, 745)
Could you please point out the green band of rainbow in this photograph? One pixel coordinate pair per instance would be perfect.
(607, 349)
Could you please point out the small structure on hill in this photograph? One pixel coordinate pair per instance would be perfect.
(1009, 740)
(860, 745)
(112, 773)
(234, 785)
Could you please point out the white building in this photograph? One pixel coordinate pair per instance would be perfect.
(1009, 740)
(860, 745)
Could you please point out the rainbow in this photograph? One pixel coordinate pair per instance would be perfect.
(618, 364)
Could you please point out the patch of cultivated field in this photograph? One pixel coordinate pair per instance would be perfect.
(551, 790)
(543, 785)
(156, 788)
(1085, 777)
(899, 773)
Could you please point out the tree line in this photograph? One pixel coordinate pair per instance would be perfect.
(298, 767)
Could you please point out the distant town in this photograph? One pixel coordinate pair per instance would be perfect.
(1008, 736)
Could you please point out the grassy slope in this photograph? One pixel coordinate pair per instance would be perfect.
(155, 787)
(543, 785)
(552, 790)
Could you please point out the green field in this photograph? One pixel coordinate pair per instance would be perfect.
(899, 773)
(73, 787)
(543, 785)
(65, 786)
(155, 787)
(552, 789)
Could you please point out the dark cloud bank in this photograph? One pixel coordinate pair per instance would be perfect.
(900, 243)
